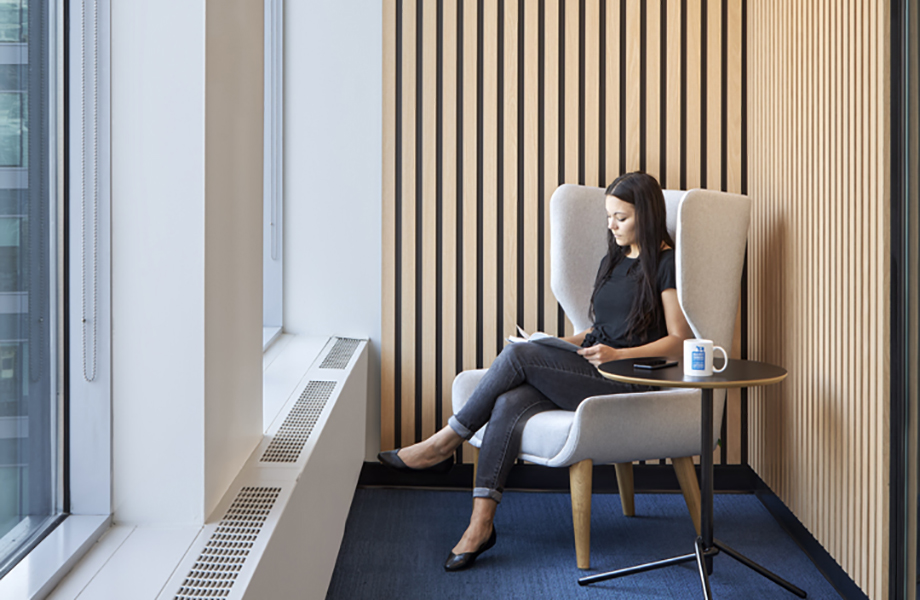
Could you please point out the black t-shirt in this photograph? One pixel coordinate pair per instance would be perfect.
(614, 301)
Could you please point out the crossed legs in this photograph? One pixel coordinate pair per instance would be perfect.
(525, 379)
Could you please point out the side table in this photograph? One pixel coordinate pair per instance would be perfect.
(738, 374)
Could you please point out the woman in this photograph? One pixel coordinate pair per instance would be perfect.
(636, 313)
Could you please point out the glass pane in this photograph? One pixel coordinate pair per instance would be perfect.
(28, 409)
(11, 129)
(12, 20)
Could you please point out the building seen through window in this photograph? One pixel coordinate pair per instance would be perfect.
(30, 496)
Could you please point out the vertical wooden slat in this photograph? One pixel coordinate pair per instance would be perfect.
(408, 239)
(551, 121)
(470, 175)
(632, 28)
(836, 275)
(509, 181)
(801, 305)
(713, 93)
(733, 107)
(653, 97)
(694, 93)
(612, 131)
(850, 549)
(532, 163)
(592, 92)
(572, 103)
(428, 237)
(388, 267)
(854, 396)
(489, 317)
(824, 276)
(571, 90)
(449, 174)
(812, 391)
(876, 173)
(674, 97)
(862, 300)
(829, 299)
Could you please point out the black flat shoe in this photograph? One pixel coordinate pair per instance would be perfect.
(458, 562)
(392, 460)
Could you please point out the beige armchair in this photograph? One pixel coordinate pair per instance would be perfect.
(710, 232)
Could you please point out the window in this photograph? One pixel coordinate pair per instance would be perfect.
(272, 175)
(31, 497)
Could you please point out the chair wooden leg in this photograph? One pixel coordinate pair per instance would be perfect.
(626, 487)
(686, 476)
(475, 456)
(580, 485)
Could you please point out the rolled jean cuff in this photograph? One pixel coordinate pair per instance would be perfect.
(459, 428)
(482, 492)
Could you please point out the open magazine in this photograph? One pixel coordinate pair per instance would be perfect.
(542, 338)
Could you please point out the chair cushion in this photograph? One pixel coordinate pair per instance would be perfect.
(544, 435)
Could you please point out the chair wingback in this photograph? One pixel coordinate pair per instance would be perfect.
(578, 240)
(711, 236)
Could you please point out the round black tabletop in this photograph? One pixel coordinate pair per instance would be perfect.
(740, 373)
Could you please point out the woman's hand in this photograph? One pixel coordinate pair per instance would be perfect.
(599, 354)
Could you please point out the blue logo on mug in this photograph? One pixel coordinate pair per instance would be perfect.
(698, 359)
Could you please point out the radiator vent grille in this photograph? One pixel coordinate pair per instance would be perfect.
(341, 353)
(216, 569)
(297, 427)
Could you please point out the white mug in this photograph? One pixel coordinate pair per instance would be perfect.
(698, 358)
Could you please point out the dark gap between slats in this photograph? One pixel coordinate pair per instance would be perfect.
(397, 317)
(419, 214)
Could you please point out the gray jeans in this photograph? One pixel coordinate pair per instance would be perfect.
(525, 379)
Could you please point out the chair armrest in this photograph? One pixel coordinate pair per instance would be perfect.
(627, 427)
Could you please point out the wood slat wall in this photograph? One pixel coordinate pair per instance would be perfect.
(488, 106)
(818, 270)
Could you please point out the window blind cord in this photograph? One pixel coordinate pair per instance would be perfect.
(275, 93)
(90, 374)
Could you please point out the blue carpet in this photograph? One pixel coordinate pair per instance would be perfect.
(396, 542)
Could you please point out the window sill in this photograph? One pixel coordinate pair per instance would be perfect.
(41, 570)
(269, 335)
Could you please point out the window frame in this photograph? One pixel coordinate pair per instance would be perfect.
(273, 173)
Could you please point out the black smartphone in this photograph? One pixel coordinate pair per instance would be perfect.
(653, 363)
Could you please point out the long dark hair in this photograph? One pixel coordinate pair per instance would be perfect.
(643, 192)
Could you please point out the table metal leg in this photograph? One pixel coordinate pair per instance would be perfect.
(704, 568)
(706, 475)
(667, 562)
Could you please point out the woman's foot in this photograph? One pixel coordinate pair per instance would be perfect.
(474, 537)
(434, 450)
(457, 561)
(391, 459)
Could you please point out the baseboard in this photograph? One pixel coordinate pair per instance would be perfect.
(648, 478)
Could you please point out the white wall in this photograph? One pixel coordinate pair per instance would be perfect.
(233, 239)
(332, 176)
(186, 347)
